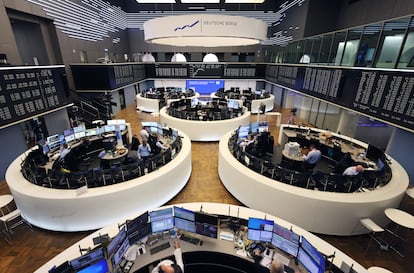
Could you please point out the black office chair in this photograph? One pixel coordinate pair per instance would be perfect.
(320, 179)
(302, 179)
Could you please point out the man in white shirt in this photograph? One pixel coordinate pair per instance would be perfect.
(144, 134)
(168, 266)
(353, 170)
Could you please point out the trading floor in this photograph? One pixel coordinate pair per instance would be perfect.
(31, 249)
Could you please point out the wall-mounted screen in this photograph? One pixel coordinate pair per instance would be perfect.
(205, 87)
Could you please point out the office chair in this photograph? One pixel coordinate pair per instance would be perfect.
(11, 218)
(302, 179)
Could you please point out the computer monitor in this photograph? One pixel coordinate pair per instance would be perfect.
(80, 135)
(115, 121)
(313, 252)
(52, 138)
(68, 132)
(145, 124)
(259, 229)
(87, 259)
(140, 233)
(285, 240)
(69, 138)
(207, 230)
(194, 102)
(205, 218)
(184, 213)
(63, 268)
(243, 131)
(374, 153)
(161, 220)
(263, 127)
(119, 253)
(185, 225)
(98, 267)
(45, 149)
(79, 128)
(307, 262)
(100, 130)
(139, 221)
(116, 241)
(254, 127)
(109, 128)
(90, 132)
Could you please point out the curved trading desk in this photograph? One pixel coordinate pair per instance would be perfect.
(77, 210)
(204, 130)
(153, 105)
(213, 252)
(317, 211)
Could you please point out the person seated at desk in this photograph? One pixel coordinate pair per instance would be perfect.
(134, 143)
(160, 147)
(275, 266)
(64, 150)
(246, 141)
(168, 266)
(353, 170)
(144, 150)
(313, 156)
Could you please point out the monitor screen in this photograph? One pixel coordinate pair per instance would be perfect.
(254, 127)
(87, 259)
(68, 132)
(184, 213)
(207, 230)
(137, 222)
(100, 130)
(140, 233)
(185, 225)
(374, 153)
(45, 149)
(263, 127)
(204, 87)
(307, 262)
(63, 268)
(69, 138)
(116, 240)
(122, 127)
(120, 252)
(285, 240)
(145, 124)
(194, 102)
(259, 229)
(52, 138)
(78, 129)
(115, 121)
(90, 132)
(162, 224)
(80, 135)
(99, 267)
(206, 218)
(313, 252)
(109, 128)
(161, 214)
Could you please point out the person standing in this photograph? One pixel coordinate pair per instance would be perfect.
(144, 134)
(144, 150)
(168, 266)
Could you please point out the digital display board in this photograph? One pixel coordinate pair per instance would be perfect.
(384, 94)
(26, 92)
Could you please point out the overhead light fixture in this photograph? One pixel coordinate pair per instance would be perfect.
(148, 58)
(178, 58)
(210, 58)
(244, 1)
(200, 1)
(205, 30)
(155, 1)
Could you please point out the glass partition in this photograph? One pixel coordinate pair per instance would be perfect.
(351, 47)
(325, 49)
(407, 56)
(338, 47)
(391, 41)
(368, 45)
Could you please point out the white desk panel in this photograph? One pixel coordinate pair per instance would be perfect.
(316, 211)
(204, 130)
(147, 105)
(269, 102)
(64, 210)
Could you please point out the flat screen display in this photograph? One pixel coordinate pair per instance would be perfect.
(115, 121)
(207, 230)
(206, 218)
(184, 213)
(137, 222)
(53, 138)
(140, 233)
(116, 240)
(307, 262)
(161, 214)
(68, 132)
(99, 267)
(185, 225)
(80, 135)
(109, 128)
(259, 229)
(100, 130)
(162, 224)
(78, 129)
(63, 268)
(204, 87)
(145, 124)
(90, 132)
(285, 240)
(313, 252)
(69, 138)
(120, 252)
(87, 259)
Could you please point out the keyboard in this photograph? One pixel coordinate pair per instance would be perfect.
(159, 248)
(190, 239)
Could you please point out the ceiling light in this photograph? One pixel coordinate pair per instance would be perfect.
(244, 1)
(205, 30)
(148, 58)
(155, 1)
(210, 58)
(178, 58)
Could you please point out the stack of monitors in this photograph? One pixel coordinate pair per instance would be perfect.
(206, 224)
(115, 121)
(184, 219)
(263, 127)
(138, 228)
(88, 259)
(232, 104)
(69, 135)
(162, 220)
(153, 127)
(119, 253)
(79, 131)
(310, 258)
(285, 240)
(260, 230)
